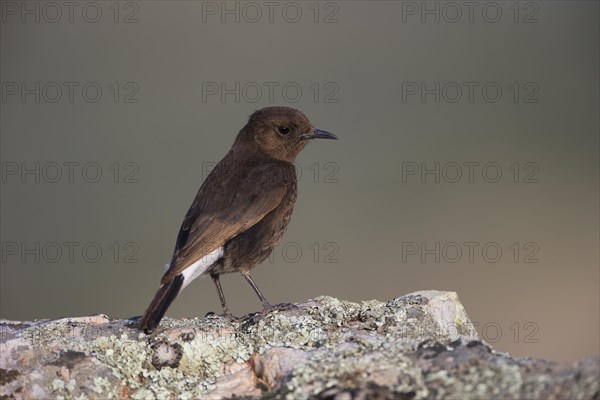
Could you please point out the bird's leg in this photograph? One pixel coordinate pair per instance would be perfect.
(264, 301)
(215, 278)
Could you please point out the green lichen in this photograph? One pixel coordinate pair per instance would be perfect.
(415, 347)
(216, 342)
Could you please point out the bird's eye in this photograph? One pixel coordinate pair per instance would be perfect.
(284, 130)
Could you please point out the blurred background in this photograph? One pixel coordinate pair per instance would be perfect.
(467, 160)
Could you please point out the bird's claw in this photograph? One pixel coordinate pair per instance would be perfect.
(279, 307)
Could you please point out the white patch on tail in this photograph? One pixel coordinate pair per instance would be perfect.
(199, 267)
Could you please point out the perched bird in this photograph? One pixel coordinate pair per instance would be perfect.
(241, 210)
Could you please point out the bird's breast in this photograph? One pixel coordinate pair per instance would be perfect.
(255, 244)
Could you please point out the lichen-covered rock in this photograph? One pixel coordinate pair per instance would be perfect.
(420, 346)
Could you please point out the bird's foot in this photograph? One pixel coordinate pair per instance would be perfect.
(226, 315)
(251, 319)
(279, 307)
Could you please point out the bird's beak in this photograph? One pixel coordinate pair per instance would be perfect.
(319, 134)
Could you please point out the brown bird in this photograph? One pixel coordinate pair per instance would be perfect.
(241, 210)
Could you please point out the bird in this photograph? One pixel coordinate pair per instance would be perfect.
(241, 210)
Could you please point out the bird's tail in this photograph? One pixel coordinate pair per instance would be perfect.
(161, 302)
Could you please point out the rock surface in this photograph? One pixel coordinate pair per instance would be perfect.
(419, 346)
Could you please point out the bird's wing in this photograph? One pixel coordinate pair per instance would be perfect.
(226, 208)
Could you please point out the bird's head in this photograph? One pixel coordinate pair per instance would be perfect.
(281, 132)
